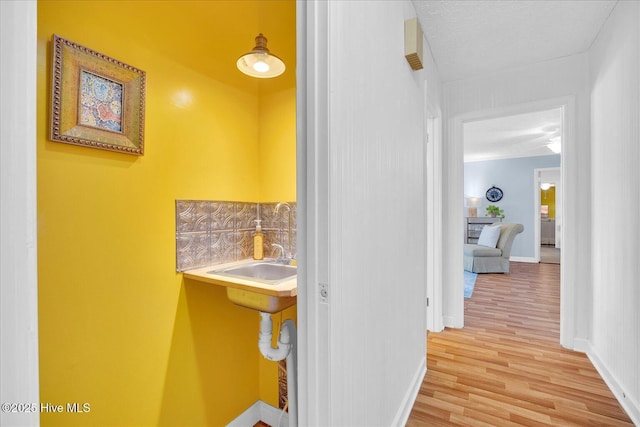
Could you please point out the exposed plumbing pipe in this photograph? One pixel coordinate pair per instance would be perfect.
(264, 341)
(286, 349)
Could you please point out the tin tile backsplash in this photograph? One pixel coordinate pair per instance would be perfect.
(212, 232)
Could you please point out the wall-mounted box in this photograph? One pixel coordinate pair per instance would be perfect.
(413, 43)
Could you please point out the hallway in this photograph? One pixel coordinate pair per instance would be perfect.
(506, 366)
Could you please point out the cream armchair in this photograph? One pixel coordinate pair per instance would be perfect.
(483, 259)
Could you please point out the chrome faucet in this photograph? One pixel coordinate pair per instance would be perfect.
(289, 255)
(282, 259)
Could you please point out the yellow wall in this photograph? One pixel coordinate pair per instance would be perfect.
(119, 328)
(278, 183)
(548, 197)
(278, 146)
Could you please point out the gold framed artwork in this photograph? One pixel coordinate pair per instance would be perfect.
(97, 101)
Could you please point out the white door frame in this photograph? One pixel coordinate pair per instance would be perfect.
(433, 227)
(454, 227)
(18, 265)
(312, 118)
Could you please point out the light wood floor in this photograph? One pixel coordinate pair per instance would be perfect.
(506, 366)
(549, 255)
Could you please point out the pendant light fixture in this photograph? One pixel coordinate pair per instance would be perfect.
(259, 62)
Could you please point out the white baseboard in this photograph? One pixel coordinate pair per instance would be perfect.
(261, 411)
(582, 345)
(402, 416)
(439, 327)
(450, 322)
(631, 404)
(523, 259)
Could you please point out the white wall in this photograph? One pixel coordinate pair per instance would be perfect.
(615, 143)
(18, 261)
(545, 85)
(364, 207)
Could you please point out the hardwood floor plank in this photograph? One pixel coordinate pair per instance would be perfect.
(506, 366)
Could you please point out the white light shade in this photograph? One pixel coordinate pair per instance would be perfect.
(259, 62)
(473, 202)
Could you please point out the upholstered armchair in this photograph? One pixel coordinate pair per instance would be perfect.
(487, 259)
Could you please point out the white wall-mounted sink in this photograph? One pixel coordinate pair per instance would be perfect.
(260, 285)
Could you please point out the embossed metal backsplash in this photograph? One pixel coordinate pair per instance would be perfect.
(212, 232)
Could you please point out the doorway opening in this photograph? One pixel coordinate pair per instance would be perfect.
(501, 153)
(453, 250)
(548, 202)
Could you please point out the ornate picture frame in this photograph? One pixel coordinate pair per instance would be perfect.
(97, 101)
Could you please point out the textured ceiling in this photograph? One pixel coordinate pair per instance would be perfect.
(467, 38)
(521, 135)
(470, 38)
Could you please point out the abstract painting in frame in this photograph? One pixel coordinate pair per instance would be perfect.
(97, 101)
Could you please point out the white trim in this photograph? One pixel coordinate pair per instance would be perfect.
(449, 321)
(536, 214)
(433, 209)
(312, 125)
(631, 404)
(567, 287)
(453, 224)
(18, 196)
(429, 249)
(261, 411)
(581, 345)
(524, 259)
(410, 397)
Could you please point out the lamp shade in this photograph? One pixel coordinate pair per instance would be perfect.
(473, 202)
(259, 62)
